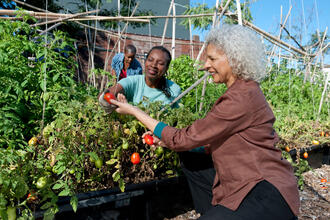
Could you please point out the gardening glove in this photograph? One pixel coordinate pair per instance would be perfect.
(108, 108)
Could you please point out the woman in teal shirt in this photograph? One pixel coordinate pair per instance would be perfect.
(153, 85)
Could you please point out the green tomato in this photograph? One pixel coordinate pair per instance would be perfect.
(91, 159)
(41, 183)
(98, 163)
(159, 151)
(125, 145)
(11, 212)
(72, 171)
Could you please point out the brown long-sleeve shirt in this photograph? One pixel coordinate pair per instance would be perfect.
(239, 131)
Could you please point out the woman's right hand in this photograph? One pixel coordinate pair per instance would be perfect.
(156, 140)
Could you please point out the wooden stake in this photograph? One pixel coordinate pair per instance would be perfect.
(173, 32)
(185, 92)
(64, 19)
(166, 22)
(239, 12)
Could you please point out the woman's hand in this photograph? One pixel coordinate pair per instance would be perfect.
(157, 141)
(128, 109)
(123, 107)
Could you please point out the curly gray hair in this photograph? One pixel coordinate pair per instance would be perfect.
(244, 50)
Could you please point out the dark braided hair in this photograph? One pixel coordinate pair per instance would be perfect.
(163, 83)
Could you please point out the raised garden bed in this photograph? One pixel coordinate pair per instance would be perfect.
(139, 201)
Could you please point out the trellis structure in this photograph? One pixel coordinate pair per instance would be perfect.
(294, 52)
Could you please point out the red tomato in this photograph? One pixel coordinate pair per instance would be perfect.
(149, 139)
(323, 180)
(135, 158)
(305, 155)
(108, 96)
(31, 197)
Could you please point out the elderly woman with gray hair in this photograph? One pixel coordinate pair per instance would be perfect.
(252, 180)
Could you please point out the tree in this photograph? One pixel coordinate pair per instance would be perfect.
(205, 23)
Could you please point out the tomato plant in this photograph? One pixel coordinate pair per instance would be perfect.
(135, 158)
(149, 139)
(108, 96)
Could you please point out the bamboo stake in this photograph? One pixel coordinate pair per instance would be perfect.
(166, 22)
(51, 28)
(190, 40)
(279, 35)
(173, 31)
(204, 83)
(239, 12)
(118, 24)
(94, 43)
(222, 13)
(327, 79)
(260, 31)
(185, 92)
(64, 19)
(279, 50)
(30, 6)
(107, 59)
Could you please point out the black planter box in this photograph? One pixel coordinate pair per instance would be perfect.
(317, 155)
(134, 203)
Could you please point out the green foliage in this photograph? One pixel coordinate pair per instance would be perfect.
(204, 23)
(31, 74)
(183, 72)
(300, 166)
(290, 96)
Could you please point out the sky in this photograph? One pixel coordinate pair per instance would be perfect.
(306, 15)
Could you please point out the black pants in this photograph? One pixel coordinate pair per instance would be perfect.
(199, 171)
(263, 202)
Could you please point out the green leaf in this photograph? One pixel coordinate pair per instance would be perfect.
(58, 185)
(116, 176)
(46, 205)
(65, 192)
(122, 185)
(111, 161)
(74, 203)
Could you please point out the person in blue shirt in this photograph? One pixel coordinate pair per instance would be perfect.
(125, 64)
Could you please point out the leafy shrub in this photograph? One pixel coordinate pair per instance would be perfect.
(31, 74)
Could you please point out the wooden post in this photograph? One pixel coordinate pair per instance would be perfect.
(191, 41)
(173, 32)
(166, 22)
(185, 92)
(205, 80)
(239, 12)
(118, 27)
